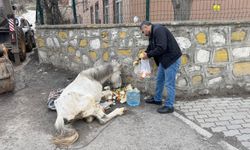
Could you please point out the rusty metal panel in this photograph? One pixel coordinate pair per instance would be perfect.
(6, 75)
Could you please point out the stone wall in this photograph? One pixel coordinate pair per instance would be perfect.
(216, 55)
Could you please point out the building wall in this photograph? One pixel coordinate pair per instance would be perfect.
(216, 55)
(162, 10)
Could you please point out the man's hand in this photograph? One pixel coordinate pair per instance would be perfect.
(143, 55)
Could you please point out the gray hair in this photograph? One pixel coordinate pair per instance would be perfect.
(145, 22)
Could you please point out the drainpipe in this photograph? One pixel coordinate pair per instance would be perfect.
(74, 11)
(147, 10)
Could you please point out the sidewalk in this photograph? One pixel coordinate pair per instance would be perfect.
(228, 117)
(26, 123)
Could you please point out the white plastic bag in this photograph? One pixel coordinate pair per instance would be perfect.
(143, 69)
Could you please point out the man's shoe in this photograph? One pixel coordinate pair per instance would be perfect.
(152, 101)
(165, 109)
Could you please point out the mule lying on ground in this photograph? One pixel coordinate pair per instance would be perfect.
(81, 99)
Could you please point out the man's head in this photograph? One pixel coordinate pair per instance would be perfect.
(146, 28)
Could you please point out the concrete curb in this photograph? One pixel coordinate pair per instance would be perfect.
(204, 132)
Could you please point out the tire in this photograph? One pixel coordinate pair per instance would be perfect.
(33, 40)
(21, 44)
(30, 44)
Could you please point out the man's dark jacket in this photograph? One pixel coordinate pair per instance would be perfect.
(163, 46)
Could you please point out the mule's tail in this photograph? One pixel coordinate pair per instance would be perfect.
(66, 136)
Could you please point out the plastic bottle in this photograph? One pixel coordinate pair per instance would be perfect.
(133, 97)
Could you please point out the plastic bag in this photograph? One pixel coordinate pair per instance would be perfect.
(143, 69)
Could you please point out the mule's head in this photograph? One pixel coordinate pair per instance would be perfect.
(116, 76)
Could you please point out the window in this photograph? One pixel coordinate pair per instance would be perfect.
(106, 11)
(118, 18)
(92, 15)
(97, 13)
(85, 5)
(23, 23)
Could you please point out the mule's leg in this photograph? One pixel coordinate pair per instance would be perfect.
(103, 118)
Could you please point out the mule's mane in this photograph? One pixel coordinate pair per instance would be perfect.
(100, 73)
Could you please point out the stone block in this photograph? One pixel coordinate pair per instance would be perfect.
(202, 56)
(214, 70)
(141, 42)
(105, 35)
(220, 123)
(225, 118)
(73, 42)
(124, 52)
(85, 60)
(105, 56)
(207, 125)
(93, 55)
(231, 132)
(234, 126)
(197, 80)
(201, 38)
(78, 53)
(243, 137)
(218, 38)
(237, 121)
(50, 43)
(183, 42)
(83, 43)
(211, 119)
(194, 68)
(122, 34)
(181, 82)
(221, 55)
(242, 52)
(105, 44)
(40, 42)
(77, 59)
(241, 69)
(245, 130)
(238, 36)
(71, 49)
(95, 44)
(246, 125)
(62, 35)
(215, 81)
(184, 59)
(219, 129)
(56, 42)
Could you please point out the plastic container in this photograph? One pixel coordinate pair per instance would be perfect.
(133, 97)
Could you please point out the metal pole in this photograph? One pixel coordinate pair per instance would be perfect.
(147, 10)
(74, 10)
(39, 13)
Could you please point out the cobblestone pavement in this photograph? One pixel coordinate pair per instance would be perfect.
(230, 116)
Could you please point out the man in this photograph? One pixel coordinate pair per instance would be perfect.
(166, 53)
